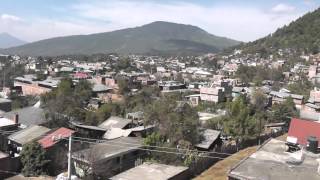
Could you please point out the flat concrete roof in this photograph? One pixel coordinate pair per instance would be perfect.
(151, 171)
(270, 162)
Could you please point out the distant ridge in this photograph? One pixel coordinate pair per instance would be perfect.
(154, 38)
(7, 40)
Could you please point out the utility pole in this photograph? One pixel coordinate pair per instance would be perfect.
(69, 158)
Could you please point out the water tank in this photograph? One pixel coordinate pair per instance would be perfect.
(312, 144)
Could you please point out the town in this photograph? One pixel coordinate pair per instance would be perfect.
(130, 90)
(138, 114)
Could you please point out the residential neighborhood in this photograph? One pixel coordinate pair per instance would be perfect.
(161, 100)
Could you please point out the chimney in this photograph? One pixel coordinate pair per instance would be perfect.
(16, 118)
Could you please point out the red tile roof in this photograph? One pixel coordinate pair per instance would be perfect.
(302, 129)
(52, 138)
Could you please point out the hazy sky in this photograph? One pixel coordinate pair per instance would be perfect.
(33, 20)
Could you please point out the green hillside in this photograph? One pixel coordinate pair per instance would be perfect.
(157, 37)
(302, 35)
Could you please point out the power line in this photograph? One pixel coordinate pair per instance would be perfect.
(125, 143)
(160, 147)
(151, 150)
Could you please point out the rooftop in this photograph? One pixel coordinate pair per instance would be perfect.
(271, 161)
(54, 137)
(29, 134)
(209, 136)
(28, 115)
(108, 149)
(100, 88)
(151, 171)
(115, 122)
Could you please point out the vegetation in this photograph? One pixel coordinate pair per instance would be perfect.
(175, 122)
(157, 37)
(301, 87)
(239, 122)
(67, 101)
(302, 35)
(257, 74)
(33, 159)
(283, 112)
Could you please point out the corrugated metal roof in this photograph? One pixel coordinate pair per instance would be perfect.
(302, 129)
(115, 122)
(29, 134)
(54, 137)
(28, 115)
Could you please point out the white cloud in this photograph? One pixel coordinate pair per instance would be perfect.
(8, 17)
(283, 9)
(239, 22)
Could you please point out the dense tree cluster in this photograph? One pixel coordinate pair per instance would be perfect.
(257, 74)
(302, 35)
(67, 100)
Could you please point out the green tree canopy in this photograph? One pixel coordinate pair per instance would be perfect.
(33, 159)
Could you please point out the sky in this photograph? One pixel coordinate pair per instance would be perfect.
(244, 20)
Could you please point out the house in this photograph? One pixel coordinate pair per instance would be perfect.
(171, 85)
(104, 160)
(87, 130)
(55, 144)
(272, 161)
(279, 97)
(100, 89)
(300, 130)
(312, 71)
(29, 86)
(211, 138)
(80, 75)
(152, 171)
(20, 138)
(212, 94)
(32, 115)
(6, 127)
(314, 96)
(311, 107)
(194, 99)
(139, 131)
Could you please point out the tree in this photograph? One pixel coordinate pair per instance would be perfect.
(123, 86)
(239, 122)
(67, 101)
(174, 121)
(283, 112)
(259, 100)
(33, 159)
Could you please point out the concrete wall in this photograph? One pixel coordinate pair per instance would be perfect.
(31, 89)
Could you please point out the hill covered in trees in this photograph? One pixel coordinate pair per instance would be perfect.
(302, 35)
(154, 38)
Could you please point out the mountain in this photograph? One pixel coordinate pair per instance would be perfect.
(154, 38)
(6, 41)
(302, 35)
